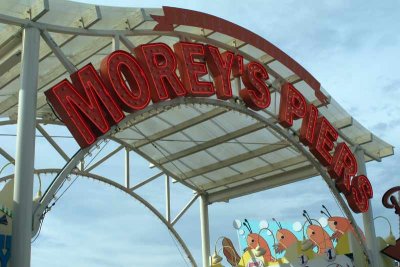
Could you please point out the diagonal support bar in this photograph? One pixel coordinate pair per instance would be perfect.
(58, 53)
(148, 180)
(127, 43)
(52, 142)
(7, 156)
(183, 211)
(106, 157)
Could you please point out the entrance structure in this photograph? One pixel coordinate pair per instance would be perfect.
(219, 149)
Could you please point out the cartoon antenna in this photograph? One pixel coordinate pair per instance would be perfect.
(327, 213)
(247, 224)
(278, 223)
(307, 216)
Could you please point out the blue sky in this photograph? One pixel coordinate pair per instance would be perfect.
(351, 47)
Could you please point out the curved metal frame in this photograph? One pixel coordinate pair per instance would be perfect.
(130, 119)
(127, 191)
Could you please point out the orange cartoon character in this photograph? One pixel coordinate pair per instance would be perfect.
(284, 237)
(341, 228)
(318, 236)
(257, 249)
(339, 225)
(290, 245)
(258, 243)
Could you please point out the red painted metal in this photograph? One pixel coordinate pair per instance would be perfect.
(179, 16)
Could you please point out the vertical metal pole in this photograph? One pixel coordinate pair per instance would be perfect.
(167, 199)
(115, 43)
(25, 150)
(358, 253)
(127, 171)
(368, 217)
(205, 232)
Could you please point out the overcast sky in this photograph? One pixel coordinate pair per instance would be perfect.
(351, 47)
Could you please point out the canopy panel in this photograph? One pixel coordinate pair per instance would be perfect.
(206, 146)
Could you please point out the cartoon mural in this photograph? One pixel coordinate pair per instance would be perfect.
(6, 216)
(328, 241)
(6, 204)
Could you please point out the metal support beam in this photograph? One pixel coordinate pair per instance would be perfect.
(25, 151)
(109, 155)
(115, 43)
(180, 127)
(205, 232)
(58, 53)
(255, 172)
(148, 180)
(7, 156)
(263, 184)
(368, 217)
(127, 171)
(122, 188)
(182, 212)
(221, 139)
(52, 142)
(167, 199)
(343, 123)
(363, 139)
(236, 159)
(127, 43)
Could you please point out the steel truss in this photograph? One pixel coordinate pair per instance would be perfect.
(213, 197)
(118, 37)
(130, 192)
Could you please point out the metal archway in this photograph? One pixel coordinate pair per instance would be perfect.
(129, 120)
(122, 188)
(167, 25)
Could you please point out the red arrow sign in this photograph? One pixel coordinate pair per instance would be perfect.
(393, 251)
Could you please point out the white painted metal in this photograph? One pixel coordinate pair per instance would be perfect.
(205, 232)
(180, 127)
(167, 199)
(127, 43)
(25, 151)
(214, 142)
(52, 142)
(263, 184)
(148, 180)
(182, 212)
(110, 182)
(58, 52)
(237, 158)
(350, 130)
(127, 168)
(103, 159)
(368, 217)
(7, 156)
(116, 43)
(144, 15)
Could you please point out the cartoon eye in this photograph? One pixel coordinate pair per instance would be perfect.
(282, 237)
(252, 241)
(335, 222)
(313, 233)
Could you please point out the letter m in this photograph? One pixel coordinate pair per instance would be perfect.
(85, 106)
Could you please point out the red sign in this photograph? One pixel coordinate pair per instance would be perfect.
(94, 102)
(388, 197)
(393, 251)
(320, 136)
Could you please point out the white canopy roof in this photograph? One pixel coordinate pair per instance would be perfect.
(206, 144)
